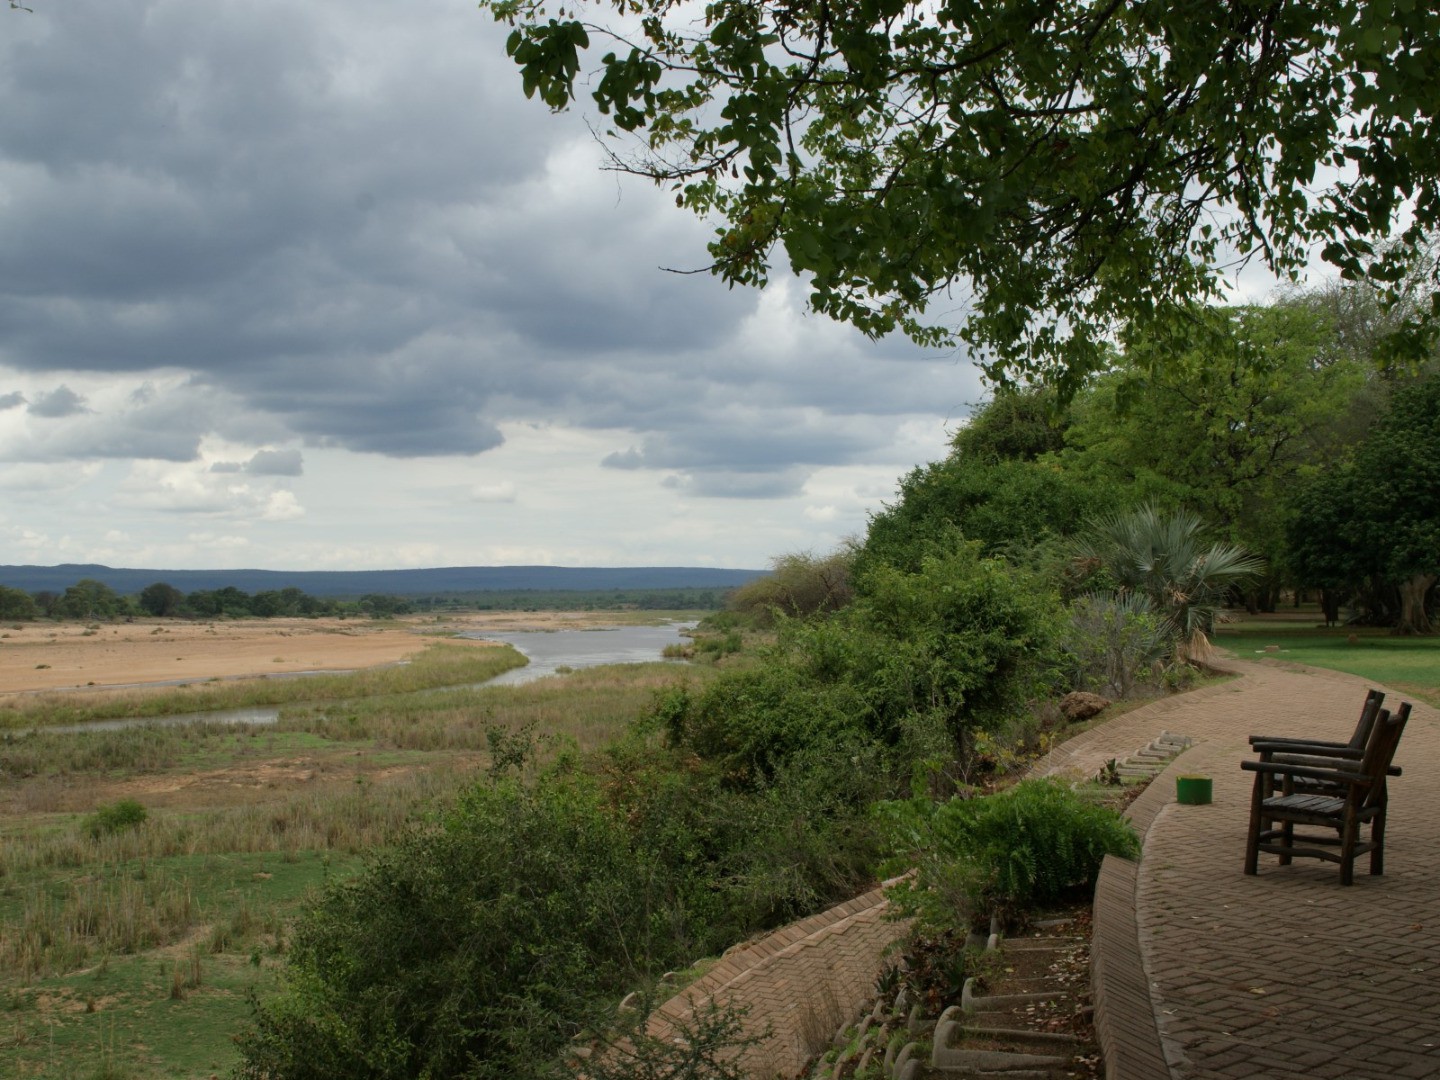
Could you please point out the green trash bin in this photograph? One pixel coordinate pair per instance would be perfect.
(1194, 790)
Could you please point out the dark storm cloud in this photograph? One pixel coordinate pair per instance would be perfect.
(346, 219)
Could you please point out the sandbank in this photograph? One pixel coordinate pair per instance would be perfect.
(42, 655)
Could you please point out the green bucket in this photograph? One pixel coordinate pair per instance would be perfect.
(1194, 790)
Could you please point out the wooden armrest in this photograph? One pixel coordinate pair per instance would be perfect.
(1255, 740)
(1285, 746)
(1281, 768)
(1318, 762)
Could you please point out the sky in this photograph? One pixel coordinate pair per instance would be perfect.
(314, 286)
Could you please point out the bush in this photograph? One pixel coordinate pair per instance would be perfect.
(751, 721)
(1110, 640)
(481, 948)
(798, 585)
(1022, 848)
(116, 817)
(915, 666)
(472, 950)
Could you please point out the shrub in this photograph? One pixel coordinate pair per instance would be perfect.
(1110, 640)
(916, 665)
(474, 949)
(116, 817)
(1022, 848)
(798, 585)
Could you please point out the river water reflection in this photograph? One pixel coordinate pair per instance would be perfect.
(547, 651)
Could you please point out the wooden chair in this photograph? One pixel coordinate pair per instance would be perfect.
(1320, 753)
(1353, 796)
(1373, 700)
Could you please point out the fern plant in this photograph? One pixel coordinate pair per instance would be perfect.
(1020, 849)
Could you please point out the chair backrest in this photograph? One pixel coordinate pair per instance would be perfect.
(1380, 750)
(1373, 700)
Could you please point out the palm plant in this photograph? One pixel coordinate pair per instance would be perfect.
(1169, 560)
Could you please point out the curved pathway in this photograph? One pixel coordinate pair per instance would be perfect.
(1202, 972)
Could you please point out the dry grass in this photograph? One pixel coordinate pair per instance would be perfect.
(343, 776)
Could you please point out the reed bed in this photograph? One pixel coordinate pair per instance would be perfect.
(585, 708)
(345, 816)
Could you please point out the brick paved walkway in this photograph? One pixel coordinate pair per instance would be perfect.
(1282, 975)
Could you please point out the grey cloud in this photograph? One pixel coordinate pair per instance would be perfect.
(227, 467)
(728, 484)
(764, 442)
(632, 458)
(276, 463)
(346, 220)
(120, 441)
(57, 403)
(12, 400)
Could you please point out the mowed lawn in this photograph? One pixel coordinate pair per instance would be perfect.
(1409, 665)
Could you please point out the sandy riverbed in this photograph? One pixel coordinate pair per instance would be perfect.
(58, 656)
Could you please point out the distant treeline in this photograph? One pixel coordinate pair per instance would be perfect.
(92, 599)
(441, 581)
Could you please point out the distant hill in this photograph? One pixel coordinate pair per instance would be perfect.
(432, 582)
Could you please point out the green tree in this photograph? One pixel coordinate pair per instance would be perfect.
(1007, 506)
(1321, 549)
(1222, 419)
(161, 599)
(1017, 424)
(798, 585)
(1397, 469)
(382, 606)
(90, 599)
(215, 602)
(16, 604)
(1068, 167)
(1378, 517)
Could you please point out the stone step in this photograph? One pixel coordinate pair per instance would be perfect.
(1054, 1039)
(972, 1001)
(962, 1072)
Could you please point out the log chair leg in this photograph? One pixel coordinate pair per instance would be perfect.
(1348, 835)
(1252, 841)
(1377, 838)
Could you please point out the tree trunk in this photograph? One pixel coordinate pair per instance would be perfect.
(1413, 619)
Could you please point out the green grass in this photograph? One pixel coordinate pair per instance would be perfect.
(1410, 665)
(168, 1010)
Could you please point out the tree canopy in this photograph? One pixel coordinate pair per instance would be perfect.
(1042, 173)
(1377, 518)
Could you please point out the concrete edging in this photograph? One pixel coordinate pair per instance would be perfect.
(1125, 1024)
